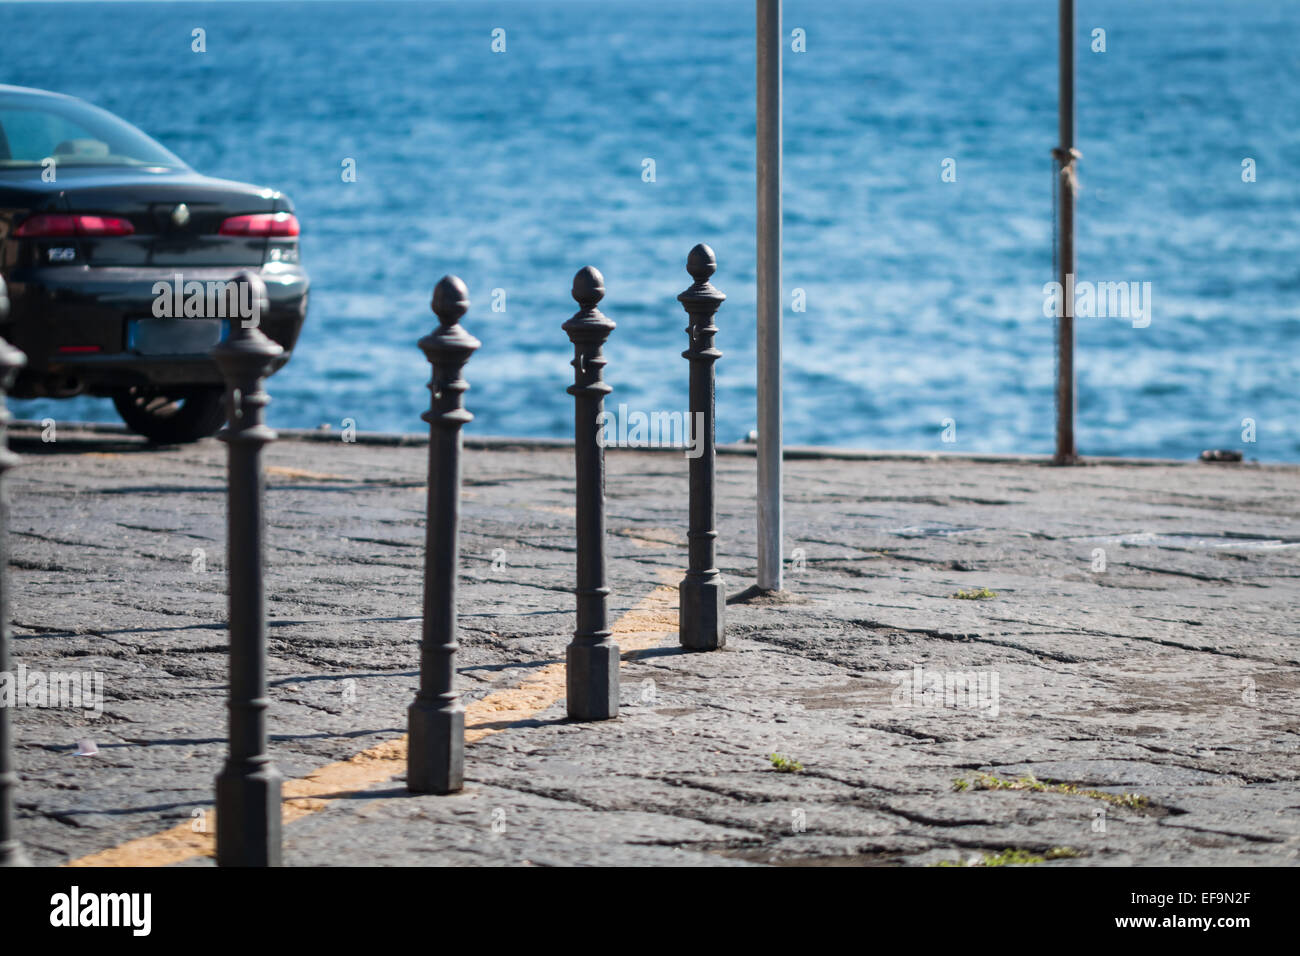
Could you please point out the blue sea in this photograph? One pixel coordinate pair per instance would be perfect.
(924, 298)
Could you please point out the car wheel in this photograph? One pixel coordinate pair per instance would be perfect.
(171, 418)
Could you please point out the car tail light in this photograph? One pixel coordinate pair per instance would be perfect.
(50, 226)
(261, 224)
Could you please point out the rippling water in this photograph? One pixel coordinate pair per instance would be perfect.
(924, 298)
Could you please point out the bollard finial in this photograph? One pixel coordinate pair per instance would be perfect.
(701, 263)
(588, 287)
(701, 297)
(248, 353)
(11, 359)
(450, 300)
(258, 301)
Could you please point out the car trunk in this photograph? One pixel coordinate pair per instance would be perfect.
(176, 221)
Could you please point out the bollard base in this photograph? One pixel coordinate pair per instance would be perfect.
(11, 854)
(248, 817)
(592, 681)
(702, 611)
(435, 761)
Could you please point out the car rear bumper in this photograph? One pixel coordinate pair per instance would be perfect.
(103, 374)
(72, 322)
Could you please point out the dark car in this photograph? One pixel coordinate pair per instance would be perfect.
(119, 260)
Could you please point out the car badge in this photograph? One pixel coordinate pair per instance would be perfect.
(181, 215)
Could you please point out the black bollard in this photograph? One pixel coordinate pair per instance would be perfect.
(248, 787)
(592, 675)
(11, 360)
(436, 719)
(703, 599)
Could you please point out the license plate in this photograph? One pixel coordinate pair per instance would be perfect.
(175, 336)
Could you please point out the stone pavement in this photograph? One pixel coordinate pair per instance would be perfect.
(1138, 639)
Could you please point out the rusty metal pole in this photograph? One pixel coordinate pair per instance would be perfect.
(436, 719)
(1066, 156)
(11, 360)
(592, 673)
(703, 598)
(248, 787)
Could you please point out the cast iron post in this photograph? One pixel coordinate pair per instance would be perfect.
(11, 360)
(702, 596)
(436, 719)
(592, 675)
(248, 787)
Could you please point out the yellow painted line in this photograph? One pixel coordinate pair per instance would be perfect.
(644, 626)
(281, 471)
(654, 538)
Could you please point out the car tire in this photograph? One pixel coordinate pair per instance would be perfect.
(172, 417)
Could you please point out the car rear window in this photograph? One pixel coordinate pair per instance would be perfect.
(71, 133)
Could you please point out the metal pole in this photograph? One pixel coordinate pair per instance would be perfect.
(436, 719)
(703, 598)
(248, 787)
(1066, 156)
(592, 673)
(769, 295)
(11, 360)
